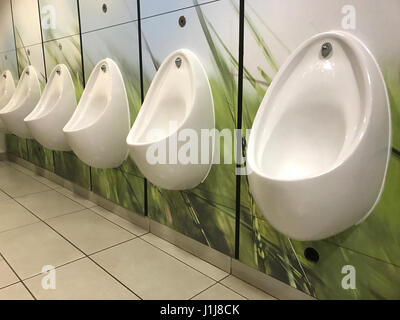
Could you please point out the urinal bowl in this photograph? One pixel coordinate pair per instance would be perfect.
(178, 104)
(53, 111)
(7, 89)
(98, 128)
(23, 101)
(320, 145)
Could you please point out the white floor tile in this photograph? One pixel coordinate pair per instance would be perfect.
(151, 273)
(49, 204)
(89, 231)
(76, 197)
(218, 292)
(13, 215)
(4, 196)
(7, 276)
(47, 182)
(127, 225)
(15, 292)
(35, 176)
(80, 280)
(16, 184)
(21, 169)
(245, 289)
(28, 249)
(184, 256)
(4, 163)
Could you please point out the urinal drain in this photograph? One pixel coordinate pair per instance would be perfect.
(326, 49)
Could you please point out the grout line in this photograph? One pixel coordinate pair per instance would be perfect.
(20, 227)
(85, 255)
(221, 285)
(109, 27)
(20, 196)
(65, 214)
(240, 294)
(229, 274)
(179, 9)
(61, 38)
(30, 194)
(89, 256)
(58, 191)
(268, 294)
(26, 194)
(115, 278)
(106, 27)
(36, 176)
(117, 223)
(30, 176)
(16, 274)
(176, 258)
(197, 294)
(8, 51)
(57, 267)
(39, 43)
(10, 285)
(111, 247)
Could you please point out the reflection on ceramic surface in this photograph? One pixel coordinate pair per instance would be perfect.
(98, 128)
(55, 108)
(179, 98)
(24, 100)
(7, 89)
(320, 143)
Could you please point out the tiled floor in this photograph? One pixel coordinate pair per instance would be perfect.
(96, 254)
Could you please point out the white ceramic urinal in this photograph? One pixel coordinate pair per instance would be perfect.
(320, 145)
(55, 108)
(98, 128)
(7, 89)
(24, 100)
(178, 105)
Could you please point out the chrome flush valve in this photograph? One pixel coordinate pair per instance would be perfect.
(178, 62)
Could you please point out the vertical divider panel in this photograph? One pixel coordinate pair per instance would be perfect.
(83, 75)
(239, 125)
(146, 199)
(15, 40)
